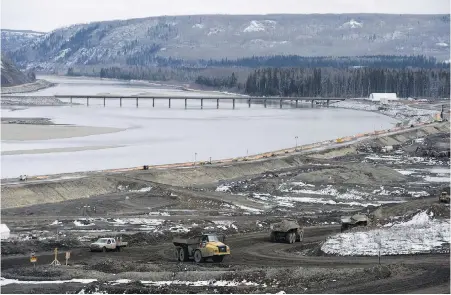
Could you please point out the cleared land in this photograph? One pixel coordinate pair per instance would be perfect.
(242, 199)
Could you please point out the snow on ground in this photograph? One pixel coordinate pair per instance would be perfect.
(79, 223)
(398, 111)
(4, 282)
(142, 190)
(353, 24)
(437, 179)
(220, 283)
(224, 224)
(223, 188)
(421, 234)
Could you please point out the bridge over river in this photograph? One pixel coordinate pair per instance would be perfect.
(200, 99)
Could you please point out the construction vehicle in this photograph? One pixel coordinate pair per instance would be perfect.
(201, 247)
(444, 197)
(287, 230)
(107, 244)
(348, 222)
(23, 178)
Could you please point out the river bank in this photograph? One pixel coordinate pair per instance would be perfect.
(29, 87)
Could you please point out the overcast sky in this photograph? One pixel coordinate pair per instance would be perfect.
(47, 15)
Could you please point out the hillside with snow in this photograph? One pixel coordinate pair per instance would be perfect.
(139, 41)
(11, 76)
(13, 39)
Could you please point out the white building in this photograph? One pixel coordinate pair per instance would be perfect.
(383, 97)
(4, 231)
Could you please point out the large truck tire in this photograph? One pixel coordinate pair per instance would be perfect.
(290, 237)
(272, 237)
(218, 259)
(198, 256)
(183, 256)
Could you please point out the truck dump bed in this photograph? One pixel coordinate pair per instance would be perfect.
(182, 241)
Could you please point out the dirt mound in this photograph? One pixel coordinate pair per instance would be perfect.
(109, 265)
(408, 209)
(26, 247)
(362, 174)
(38, 273)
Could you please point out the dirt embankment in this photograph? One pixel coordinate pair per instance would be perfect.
(18, 195)
(210, 174)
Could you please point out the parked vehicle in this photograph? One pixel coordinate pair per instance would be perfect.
(107, 244)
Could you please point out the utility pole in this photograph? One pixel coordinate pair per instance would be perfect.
(195, 158)
(296, 138)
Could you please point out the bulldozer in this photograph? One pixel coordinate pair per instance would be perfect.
(444, 197)
(287, 230)
(348, 222)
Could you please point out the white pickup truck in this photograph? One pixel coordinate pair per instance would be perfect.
(107, 244)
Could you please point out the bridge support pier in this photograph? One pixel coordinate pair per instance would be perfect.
(136, 102)
(87, 101)
(153, 102)
(186, 103)
(217, 103)
(312, 102)
(201, 103)
(328, 103)
(264, 102)
(233, 102)
(104, 102)
(120, 101)
(297, 103)
(249, 102)
(280, 103)
(169, 103)
(71, 101)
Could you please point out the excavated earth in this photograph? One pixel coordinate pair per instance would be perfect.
(241, 200)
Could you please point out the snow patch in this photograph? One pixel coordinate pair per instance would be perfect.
(436, 179)
(442, 44)
(421, 234)
(257, 26)
(79, 223)
(198, 26)
(353, 24)
(142, 190)
(223, 188)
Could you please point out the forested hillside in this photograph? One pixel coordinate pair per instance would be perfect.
(327, 82)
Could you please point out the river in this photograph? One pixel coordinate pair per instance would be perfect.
(159, 135)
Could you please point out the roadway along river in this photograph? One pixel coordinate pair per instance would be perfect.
(115, 137)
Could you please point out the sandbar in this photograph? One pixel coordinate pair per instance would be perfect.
(23, 132)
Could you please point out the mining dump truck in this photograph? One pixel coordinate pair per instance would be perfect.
(287, 230)
(348, 222)
(444, 197)
(201, 247)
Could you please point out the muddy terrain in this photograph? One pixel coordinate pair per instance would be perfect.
(395, 180)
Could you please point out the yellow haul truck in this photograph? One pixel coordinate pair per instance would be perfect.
(201, 248)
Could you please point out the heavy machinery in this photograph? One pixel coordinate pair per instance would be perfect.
(287, 230)
(348, 222)
(107, 244)
(201, 247)
(444, 197)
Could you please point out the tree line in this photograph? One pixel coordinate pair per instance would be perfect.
(227, 82)
(328, 82)
(148, 57)
(375, 61)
